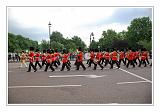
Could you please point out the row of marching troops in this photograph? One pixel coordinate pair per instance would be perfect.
(51, 58)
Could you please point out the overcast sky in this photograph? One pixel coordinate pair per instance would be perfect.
(32, 22)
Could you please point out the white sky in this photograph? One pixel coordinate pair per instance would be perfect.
(33, 22)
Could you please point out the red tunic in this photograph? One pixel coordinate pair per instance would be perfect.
(130, 56)
(31, 56)
(114, 56)
(92, 56)
(43, 57)
(121, 55)
(65, 58)
(48, 58)
(137, 54)
(107, 56)
(56, 54)
(37, 56)
(98, 56)
(144, 56)
(53, 56)
(80, 57)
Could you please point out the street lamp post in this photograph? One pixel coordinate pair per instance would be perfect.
(49, 25)
(91, 35)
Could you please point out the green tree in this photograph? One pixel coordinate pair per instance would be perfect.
(139, 30)
(78, 42)
(107, 38)
(94, 45)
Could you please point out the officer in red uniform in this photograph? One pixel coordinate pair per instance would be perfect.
(91, 60)
(107, 57)
(98, 61)
(138, 55)
(143, 57)
(37, 57)
(57, 57)
(134, 56)
(48, 59)
(114, 57)
(121, 57)
(102, 56)
(130, 57)
(43, 58)
(53, 58)
(31, 60)
(65, 56)
(80, 59)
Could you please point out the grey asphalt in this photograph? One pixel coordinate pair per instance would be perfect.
(115, 86)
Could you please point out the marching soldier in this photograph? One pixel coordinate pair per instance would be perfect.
(43, 58)
(143, 57)
(98, 61)
(114, 57)
(57, 57)
(91, 60)
(48, 59)
(37, 57)
(53, 58)
(31, 60)
(80, 59)
(130, 56)
(121, 57)
(65, 60)
(138, 55)
(107, 57)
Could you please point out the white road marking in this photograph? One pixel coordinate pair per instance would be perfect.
(136, 75)
(131, 82)
(66, 76)
(55, 86)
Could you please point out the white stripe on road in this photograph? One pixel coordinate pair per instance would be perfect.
(136, 75)
(66, 76)
(55, 86)
(131, 82)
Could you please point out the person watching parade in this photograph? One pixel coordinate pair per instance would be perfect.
(23, 59)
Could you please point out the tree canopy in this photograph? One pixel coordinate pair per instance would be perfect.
(138, 34)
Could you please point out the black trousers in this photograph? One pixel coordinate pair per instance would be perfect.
(49, 65)
(58, 62)
(102, 60)
(125, 60)
(107, 62)
(114, 62)
(65, 65)
(147, 61)
(37, 62)
(69, 63)
(138, 60)
(80, 63)
(142, 62)
(31, 65)
(90, 62)
(122, 61)
(43, 63)
(135, 61)
(54, 63)
(76, 62)
(130, 62)
(98, 63)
